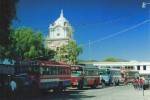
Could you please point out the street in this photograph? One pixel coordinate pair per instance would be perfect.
(108, 93)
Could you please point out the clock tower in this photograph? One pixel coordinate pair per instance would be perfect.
(60, 32)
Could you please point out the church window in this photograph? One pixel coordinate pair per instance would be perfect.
(65, 23)
(58, 34)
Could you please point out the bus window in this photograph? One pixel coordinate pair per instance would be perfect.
(41, 70)
(49, 71)
(68, 72)
(59, 71)
(76, 73)
(65, 71)
(45, 71)
(54, 70)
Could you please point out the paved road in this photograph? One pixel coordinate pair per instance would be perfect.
(109, 93)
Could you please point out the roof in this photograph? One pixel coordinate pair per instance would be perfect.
(61, 20)
(52, 63)
(130, 63)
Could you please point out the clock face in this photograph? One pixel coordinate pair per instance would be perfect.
(58, 34)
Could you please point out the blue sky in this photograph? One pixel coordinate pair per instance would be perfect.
(94, 20)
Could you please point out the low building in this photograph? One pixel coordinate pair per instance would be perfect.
(142, 67)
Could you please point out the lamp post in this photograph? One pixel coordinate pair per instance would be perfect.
(144, 4)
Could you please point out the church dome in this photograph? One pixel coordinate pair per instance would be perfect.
(61, 21)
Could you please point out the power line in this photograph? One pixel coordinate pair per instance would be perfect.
(117, 33)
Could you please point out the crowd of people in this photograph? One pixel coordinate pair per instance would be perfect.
(138, 83)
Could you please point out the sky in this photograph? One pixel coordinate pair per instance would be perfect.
(114, 28)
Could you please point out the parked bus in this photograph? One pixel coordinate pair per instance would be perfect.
(131, 75)
(84, 75)
(116, 77)
(47, 75)
(105, 76)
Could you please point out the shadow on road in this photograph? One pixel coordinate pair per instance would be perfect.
(71, 94)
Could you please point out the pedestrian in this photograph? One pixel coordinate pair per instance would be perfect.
(141, 83)
(103, 82)
(138, 83)
(134, 83)
(13, 87)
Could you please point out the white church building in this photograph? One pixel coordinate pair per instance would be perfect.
(60, 32)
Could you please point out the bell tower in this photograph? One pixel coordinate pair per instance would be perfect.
(60, 32)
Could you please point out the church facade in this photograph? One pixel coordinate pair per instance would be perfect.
(60, 32)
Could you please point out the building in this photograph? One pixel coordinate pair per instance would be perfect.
(142, 67)
(60, 32)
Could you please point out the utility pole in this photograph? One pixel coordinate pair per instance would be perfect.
(144, 5)
(89, 50)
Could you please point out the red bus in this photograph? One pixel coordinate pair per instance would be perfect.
(47, 75)
(84, 75)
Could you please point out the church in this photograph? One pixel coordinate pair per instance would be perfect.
(60, 32)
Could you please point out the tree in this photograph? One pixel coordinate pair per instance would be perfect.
(48, 53)
(7, 14)
(69, 52)
(113, 59)
(27, 44)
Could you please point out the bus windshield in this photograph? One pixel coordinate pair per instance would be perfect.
(91, 72)
(117, 73)
(103, 72)
(76, 73)
(133, 74)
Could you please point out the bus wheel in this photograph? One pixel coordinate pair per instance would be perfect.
(80, 86)
(94, 85)
(60, 87)
(118, 83)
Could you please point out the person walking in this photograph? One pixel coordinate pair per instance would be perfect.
(141, 81)
(13, 87)
(134, 83)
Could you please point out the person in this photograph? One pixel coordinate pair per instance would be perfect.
(13, 87)
(103, 82)
(135, 83)
(141, 81)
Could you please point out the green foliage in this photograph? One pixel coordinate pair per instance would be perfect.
(48, 53)
(113, 59)
(69, 53)
(27, 44)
